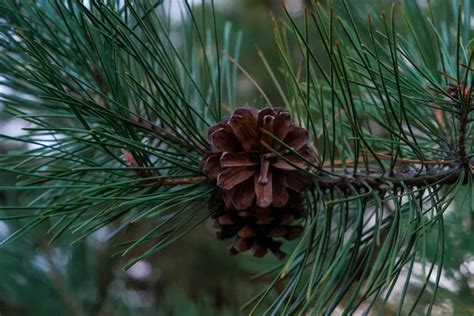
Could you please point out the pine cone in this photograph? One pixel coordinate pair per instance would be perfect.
(246, 169)
(256, 228)
(258, 178)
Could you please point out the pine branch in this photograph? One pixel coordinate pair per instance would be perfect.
(126, 110)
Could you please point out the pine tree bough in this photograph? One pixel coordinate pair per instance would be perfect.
(261, 165)
(117, 110)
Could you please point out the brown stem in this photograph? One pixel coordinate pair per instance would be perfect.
(349, 182)
(463, 122)
(379, 182)
(179, 181)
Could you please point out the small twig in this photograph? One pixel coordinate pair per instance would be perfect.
(379, 182)
(346, 182)
(463, 123)
(182, 181)
(162, 181)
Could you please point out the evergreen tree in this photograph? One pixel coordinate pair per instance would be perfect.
(345, 171)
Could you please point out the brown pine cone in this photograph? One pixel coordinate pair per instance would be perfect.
(259, 179)
(244, 166)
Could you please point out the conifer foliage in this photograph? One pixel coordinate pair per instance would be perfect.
(371, 145)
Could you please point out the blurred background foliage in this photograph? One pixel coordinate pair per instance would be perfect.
(194, 276)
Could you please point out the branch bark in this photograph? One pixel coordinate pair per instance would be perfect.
(350, 182)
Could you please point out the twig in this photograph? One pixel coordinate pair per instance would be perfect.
(173, 181)
(463, 123)
(349, 182)
(181, 181)
(380, 182)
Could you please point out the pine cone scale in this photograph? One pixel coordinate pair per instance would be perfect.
(296, 138)
(241, 159)
(224, 141)
(245, 133)
(244, 195)
(230, 177)
(281, 127)
(263, 192)
(281, 195)
(267, 131)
